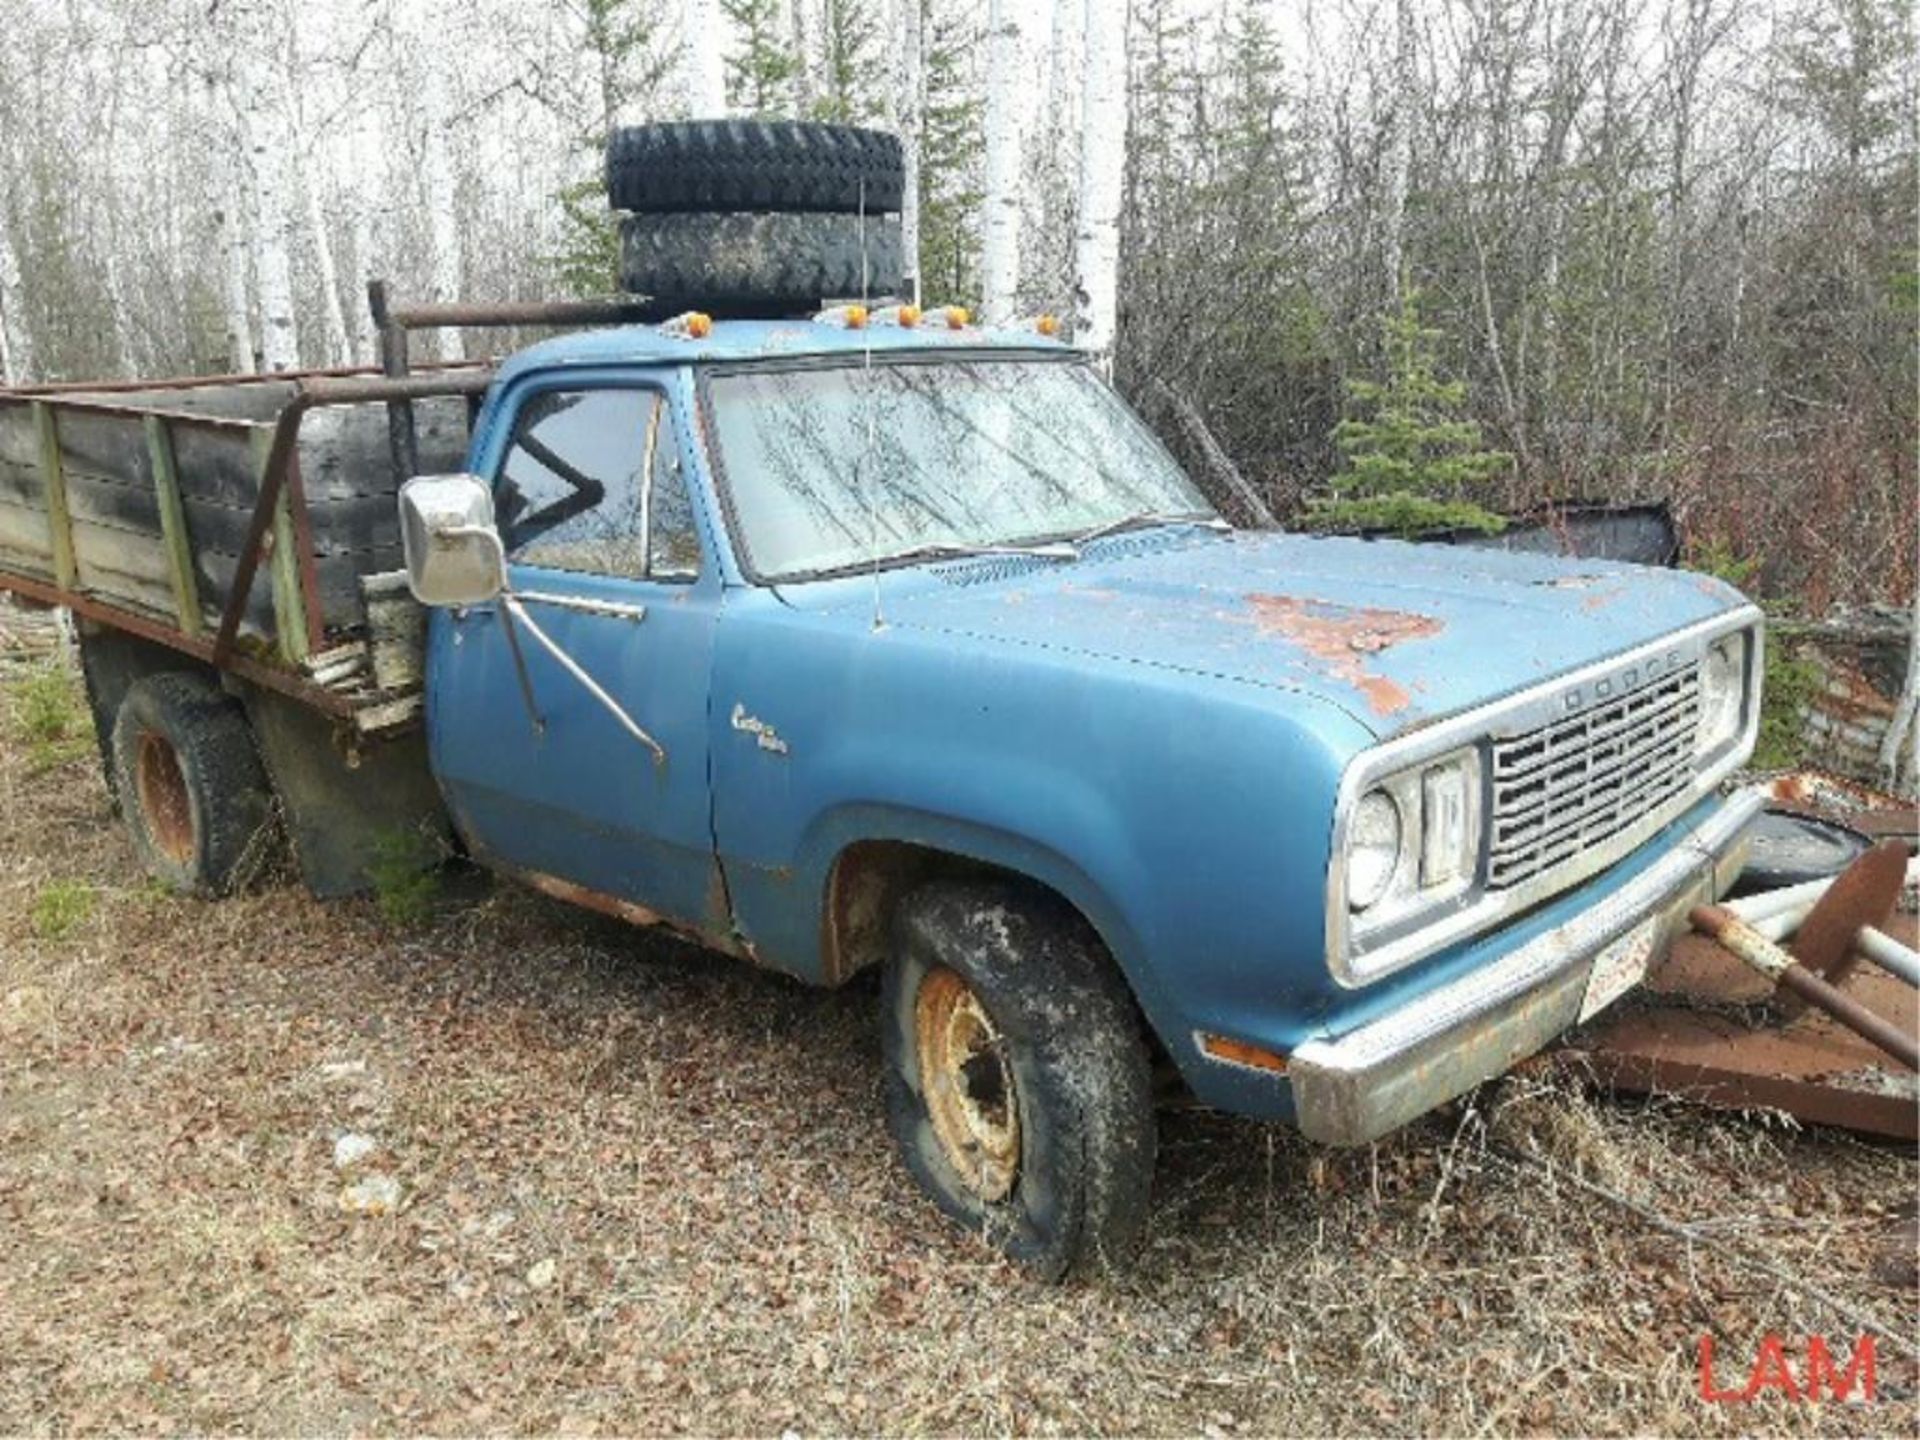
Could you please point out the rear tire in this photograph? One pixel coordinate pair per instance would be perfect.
(755, 165)
(1019, 1087)
(765, 264)
(191, 787)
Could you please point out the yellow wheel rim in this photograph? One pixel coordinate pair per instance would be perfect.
(968, 1085)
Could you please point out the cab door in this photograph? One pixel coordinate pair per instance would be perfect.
(608, 558)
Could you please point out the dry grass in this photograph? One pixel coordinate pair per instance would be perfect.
(646, 1190)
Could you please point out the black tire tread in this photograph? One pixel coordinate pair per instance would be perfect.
(227, 785)
(767, 263)
(1047, 980)
(714, 165)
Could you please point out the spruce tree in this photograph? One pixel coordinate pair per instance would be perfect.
(761, 69)
(619, 38)
(951, 147)
(1412, 464)
(846, 35)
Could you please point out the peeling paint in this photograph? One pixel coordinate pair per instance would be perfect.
(1343, 636)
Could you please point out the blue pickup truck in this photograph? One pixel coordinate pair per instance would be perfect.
(857, 644)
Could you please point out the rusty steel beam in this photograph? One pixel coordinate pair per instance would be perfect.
(614, 311)
(196, 382)
(280, 461)
(1743, 941)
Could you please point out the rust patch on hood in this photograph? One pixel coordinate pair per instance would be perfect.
(1344, 636)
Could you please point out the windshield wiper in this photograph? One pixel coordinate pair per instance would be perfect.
(1148, 517)
(1042, 549)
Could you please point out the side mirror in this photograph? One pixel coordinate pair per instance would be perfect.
(454, 555)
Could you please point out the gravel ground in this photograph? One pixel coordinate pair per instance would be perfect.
(633, 1188)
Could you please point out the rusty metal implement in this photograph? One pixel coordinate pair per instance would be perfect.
(1742, 940)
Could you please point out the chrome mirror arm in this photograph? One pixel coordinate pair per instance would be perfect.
(514, 610)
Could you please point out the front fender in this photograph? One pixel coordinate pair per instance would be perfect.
(1186, 817)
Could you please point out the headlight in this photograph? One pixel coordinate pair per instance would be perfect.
(1413, 840)
(1373, 849)
(1723, 692)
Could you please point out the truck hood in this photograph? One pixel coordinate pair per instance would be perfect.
(1396, 634)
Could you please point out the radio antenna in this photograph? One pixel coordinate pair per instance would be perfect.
(867, 452)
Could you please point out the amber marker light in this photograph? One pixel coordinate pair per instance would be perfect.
(1238, 1052)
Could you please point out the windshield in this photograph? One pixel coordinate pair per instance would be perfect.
(834, 468)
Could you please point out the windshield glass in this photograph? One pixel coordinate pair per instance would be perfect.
(834, 468)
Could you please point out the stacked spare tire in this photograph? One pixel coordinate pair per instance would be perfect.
(756, 217)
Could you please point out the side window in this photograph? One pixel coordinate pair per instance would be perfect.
(573, 491)
(673, 543)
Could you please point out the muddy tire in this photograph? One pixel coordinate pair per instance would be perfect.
(190, 784)
(766, 264)
(1019, 1087)
(798, 165)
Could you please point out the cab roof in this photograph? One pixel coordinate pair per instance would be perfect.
(734, 340)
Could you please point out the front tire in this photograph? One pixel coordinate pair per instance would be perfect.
(191, 787)
(1019, 1088)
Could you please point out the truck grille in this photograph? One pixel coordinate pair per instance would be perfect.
(1572, 784)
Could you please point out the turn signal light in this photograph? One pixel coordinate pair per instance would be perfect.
(847, 317)
(693, 325)
(1238, 1052)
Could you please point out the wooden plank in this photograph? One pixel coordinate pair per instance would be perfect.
(59, 526)
(173, 526)
(24, 529)
(283, 564)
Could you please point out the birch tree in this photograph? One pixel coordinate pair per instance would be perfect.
(1103, 140)
(16, 357)
(703, 75)
(1000, 244)
(909, 99)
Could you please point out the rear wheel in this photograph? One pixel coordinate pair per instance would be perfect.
(192, 790)
(1018, 1082)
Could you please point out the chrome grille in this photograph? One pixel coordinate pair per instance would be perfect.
(1572, 784)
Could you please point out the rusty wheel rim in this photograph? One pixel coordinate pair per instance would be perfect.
(968, 1085)
(164, 804)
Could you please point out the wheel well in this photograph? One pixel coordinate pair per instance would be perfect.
(869, 878)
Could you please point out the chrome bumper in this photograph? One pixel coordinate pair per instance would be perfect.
(1369, 1081)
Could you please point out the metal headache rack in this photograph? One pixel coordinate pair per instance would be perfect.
(152, 506)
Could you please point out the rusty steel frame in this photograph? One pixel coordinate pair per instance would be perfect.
(394, 324)
(392, 383)
(280, 475)
(1749, 945)
(282, 471)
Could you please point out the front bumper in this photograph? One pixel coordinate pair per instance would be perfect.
(1360, 1085)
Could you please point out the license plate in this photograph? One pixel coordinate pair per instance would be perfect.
(1618, 968)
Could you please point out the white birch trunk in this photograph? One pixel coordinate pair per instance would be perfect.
(808, 60)
(16, 346)
(364, 340)
(1103, 155)
(1000, 208)
(339, 347)
(443, 223)
(1062, 50)
(1399, 165)
(233, 259)
(703, 76)
(908, 100)
(272, 264)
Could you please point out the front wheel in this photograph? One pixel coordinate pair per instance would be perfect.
(1019, 1088)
